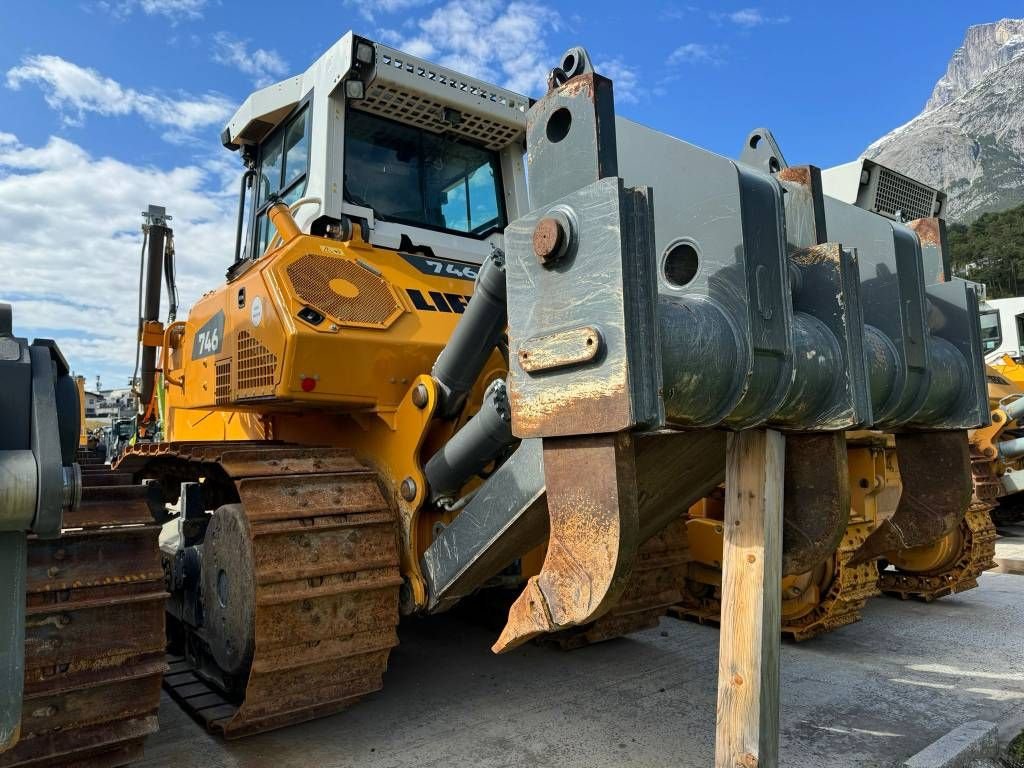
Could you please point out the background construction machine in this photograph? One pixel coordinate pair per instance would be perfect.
(82, 649)
(417, 381)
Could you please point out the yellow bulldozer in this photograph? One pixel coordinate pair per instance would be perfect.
(420, 380)
(834, 592)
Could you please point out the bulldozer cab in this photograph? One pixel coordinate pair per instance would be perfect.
(422, 159)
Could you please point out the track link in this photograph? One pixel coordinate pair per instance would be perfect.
(324, 580)
(849, 588)
(94, 632)
(654, 586)
(978, 535)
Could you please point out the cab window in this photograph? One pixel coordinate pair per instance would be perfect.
(991, 333)
(284, 166)
(408, 175)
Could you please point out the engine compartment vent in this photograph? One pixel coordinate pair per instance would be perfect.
(344, 291)
(257, 366)
(222, 381)
(898, 194)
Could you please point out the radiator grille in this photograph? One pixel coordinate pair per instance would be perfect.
(256, 367)
(371, 304)
(222, 388)
(388, 101)
(898, 194)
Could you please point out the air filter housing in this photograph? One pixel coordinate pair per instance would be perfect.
(881, 190)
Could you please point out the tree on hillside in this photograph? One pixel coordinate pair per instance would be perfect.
(991, 251)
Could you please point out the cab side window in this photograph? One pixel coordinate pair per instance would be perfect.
(284, 166)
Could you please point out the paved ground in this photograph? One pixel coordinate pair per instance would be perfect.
(870, 694)
(1010, 549)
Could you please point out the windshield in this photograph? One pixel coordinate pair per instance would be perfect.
(408, 175)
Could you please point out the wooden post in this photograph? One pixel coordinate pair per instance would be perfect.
(747, 722)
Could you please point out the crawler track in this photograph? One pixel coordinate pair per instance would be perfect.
(850, 588)
(321, 568)
(976, 538)
(94, 633)
(847, 589)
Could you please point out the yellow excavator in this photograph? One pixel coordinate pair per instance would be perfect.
(419, 381)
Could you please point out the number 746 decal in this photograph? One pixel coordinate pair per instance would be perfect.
(209, 338)
(443, 267)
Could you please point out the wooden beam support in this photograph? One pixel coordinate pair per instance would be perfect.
(747, 723)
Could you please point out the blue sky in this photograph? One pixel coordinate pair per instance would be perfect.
(108, 105)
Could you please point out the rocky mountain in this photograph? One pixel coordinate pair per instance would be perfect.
(969, 140)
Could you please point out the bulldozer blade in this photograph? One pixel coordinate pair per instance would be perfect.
(816, 505)
(593, 510)
(508, 516)
(935, 470)
(505, 519)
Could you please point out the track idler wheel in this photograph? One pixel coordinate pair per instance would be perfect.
(947, 566)
(593, 509)
(229, 590)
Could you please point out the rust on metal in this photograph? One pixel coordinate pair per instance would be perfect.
(594, 528)
(560, 350)
(927, 230)
(935, 469)
(577, 408)
(548, 239)
(810, 214)
(94, 633)
(581, 84)
(816, 500)
(112, 504)
(654, 586)
(975, 545)
(972, 544)
(932, 234)
(316, 542)
(822, 253)
(257, 463)
(798, 174)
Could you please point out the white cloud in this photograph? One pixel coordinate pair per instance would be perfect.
(71, 270)
(625, 81)
(371, 11)
(190, 8)
(75, 91)
(265, 66)
(749, 18)
(696, 53)
(175, 10)
(498, 42)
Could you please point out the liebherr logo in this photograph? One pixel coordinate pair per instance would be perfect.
(435, 301)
